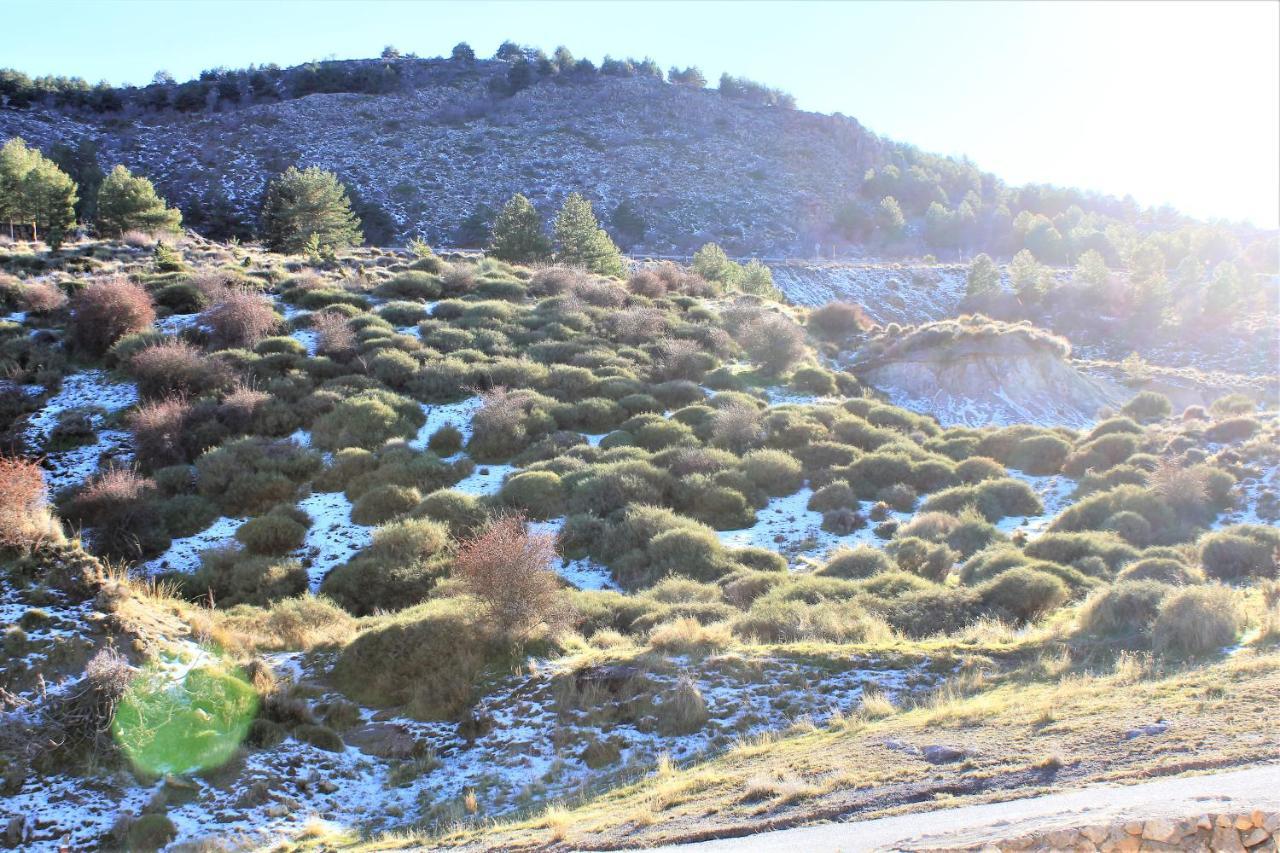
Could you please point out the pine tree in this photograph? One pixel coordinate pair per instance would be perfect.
(81, 164)
(302, 203)
(890, 219)
(758, 279)
(517, 234)
(35, 192)
(983, 277)
(1029, 279)
(713, 264)
(129, 203)
(583, 242)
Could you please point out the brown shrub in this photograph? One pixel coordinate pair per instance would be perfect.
(334, 335)
(213, 284)
(773, 342)
(238, 408)
(120, 505)
(737, 427)
(158, 427)
(838, 321)
(679, 358)
(138, 239)
(602, 294)
(107, 310)
(42, 297)
(24, 516)
(241, 319)
(176, 367)
(638, 325)
(554, 281)
(647, 283)
(508, 569)
(458, 279)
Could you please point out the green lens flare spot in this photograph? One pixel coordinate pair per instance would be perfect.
(178, 716)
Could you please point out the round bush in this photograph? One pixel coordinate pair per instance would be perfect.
(393, 367)
(843, 521)
(1240, 552)
(1162, 569)
(774, 472)
(1024, 593)
(835, 495)
(539, 493)
(271, 534)
(1197, 620)
(1129, 607)
(856, 563)
(975, 469)
(367, 420)
(463, 514)
(445, 441)
(1148, 406)
(384, 503)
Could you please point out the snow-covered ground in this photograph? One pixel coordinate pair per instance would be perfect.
(333, 537)
(93, 392)
(438, 414)
(789, 527)
(183, 555)
(1054, 492)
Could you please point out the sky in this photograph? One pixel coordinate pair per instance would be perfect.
(1172, 102)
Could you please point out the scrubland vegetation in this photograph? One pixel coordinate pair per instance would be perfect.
(491, 434)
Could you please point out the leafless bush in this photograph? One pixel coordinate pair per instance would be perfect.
(837, 321)
(241, 319)
(508, 570)
(678, 358)
(80, 719)
(158, 428)
(239, 406)
(334, 335)
(213, 284)
(647, 283)
(638, 325)
(555, 281)
(24, 515)
(107, 310)
(773, 341)
(176, 367)
(1183, 487)
(737, 427)
(677, 279)
(602, 294)
(42, 297)
(458, 279)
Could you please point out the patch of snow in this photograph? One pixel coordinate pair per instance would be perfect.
(485, 479)
(183, 554)
(89, 389)
(177, 323)
(333, 537)
(301, 437)
(788, 526)
(1054, 492)
(438, 414)
(309, 338)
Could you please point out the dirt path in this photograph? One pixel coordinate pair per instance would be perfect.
(1238, 790)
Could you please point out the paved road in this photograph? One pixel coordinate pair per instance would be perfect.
(1185, 796)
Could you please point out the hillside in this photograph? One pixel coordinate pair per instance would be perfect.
(699, 166)
(409, 549)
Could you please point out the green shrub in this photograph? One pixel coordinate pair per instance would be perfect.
(271, 534)
(367, 419)
(1232, 430)
(321, 737)
(411, 285)
(1148, 406)
(1039, 455)
(759, 559)
(384, 503)
(445, 441)
(932, 561)
(463, 514)
(773, 472)
(1197, 620)
(1128, 607)
(1101, 453)
(835, 495)
(1241, 551)
(810, 379)
(1069, 548)
(1162, 569)
(429, 660)
(187, 515)
(976, 469)
(233, 577)
(774, 618)
(399, 569)
(539, 493)
(250, 475)
(856, 563)
(1024, 593)
(393, 367)
(924, 612)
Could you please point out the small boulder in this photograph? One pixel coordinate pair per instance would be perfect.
(942, 754)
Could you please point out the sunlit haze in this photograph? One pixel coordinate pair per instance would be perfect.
(1174, 103)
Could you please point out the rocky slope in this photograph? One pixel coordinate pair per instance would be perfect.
(698, 165)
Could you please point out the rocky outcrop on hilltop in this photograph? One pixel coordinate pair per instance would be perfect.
(974, 371)
(697, 166)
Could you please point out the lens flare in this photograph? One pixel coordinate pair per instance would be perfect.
(182, 716)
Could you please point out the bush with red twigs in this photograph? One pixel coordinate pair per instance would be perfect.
(508, 570)
(106, 311)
